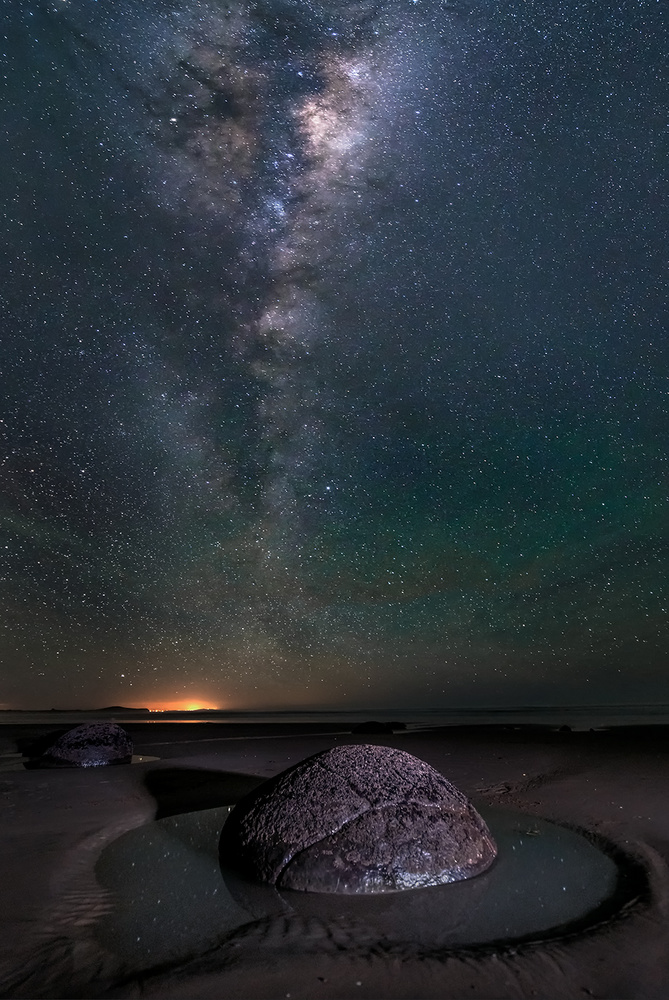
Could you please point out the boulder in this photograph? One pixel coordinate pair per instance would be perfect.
(91, 745)
(356, 819)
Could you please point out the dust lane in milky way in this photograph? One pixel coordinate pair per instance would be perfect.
(334, 356)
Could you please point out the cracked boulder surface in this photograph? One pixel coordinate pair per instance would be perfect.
(92, 745)
(357, 819)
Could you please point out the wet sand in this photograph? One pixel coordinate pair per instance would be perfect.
(56, 825)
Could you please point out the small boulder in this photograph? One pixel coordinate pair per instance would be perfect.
(357, 819)
(91, 745)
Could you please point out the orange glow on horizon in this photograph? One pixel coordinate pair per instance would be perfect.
(188, 705)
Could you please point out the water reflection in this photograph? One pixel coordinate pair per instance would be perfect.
(172, 900)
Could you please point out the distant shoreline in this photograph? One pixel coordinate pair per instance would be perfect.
(566, 718)
(616, 707)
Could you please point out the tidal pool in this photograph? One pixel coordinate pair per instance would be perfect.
(170, 899)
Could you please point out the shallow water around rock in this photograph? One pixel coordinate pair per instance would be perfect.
(171, 900)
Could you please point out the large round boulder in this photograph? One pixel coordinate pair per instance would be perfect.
(91, 745)
(357, 819)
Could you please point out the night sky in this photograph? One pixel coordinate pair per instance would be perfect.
(333, 343)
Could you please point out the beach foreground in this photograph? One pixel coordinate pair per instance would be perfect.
(60, 828)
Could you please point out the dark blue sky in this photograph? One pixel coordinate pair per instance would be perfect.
(334, 353)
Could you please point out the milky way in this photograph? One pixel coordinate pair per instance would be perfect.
(334, 352)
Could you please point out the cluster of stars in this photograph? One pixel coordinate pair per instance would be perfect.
(334, 349)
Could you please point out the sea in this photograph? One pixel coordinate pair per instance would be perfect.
(577, 717)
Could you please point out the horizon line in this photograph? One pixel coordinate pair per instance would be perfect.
(377, 708)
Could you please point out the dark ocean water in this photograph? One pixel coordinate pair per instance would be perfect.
(577, 717)
(333, 351)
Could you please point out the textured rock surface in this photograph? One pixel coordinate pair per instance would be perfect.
(91, 745)
(357, 819)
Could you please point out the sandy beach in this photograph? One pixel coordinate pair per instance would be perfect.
(70, 907)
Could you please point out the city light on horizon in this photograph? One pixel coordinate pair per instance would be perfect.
(188, 705)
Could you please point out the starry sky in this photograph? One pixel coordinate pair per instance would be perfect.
(333, 352)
